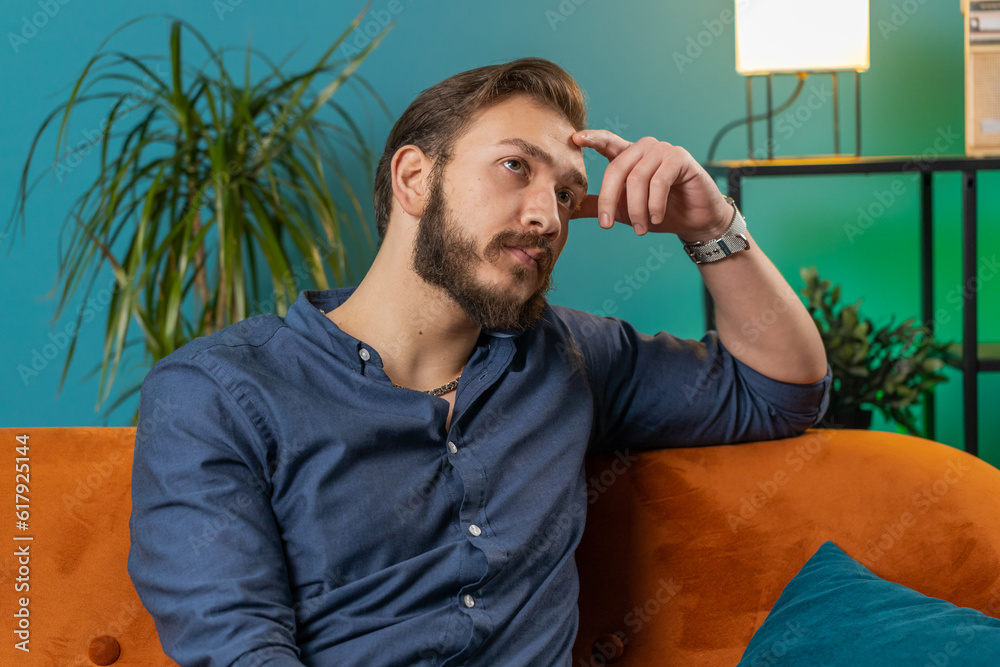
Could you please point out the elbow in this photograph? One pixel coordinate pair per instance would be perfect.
(809, 366)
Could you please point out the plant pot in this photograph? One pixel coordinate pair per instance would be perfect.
(856, 418)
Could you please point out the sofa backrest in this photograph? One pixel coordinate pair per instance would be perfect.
(684, 553)
(686, 550)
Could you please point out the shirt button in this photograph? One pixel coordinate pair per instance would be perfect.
(474, 529)
(452, 447)
(364, 354)
(469, 602)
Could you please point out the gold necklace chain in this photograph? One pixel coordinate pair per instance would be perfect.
(443, 389)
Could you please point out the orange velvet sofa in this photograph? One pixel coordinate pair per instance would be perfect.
(685, 550)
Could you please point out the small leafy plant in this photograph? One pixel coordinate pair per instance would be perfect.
(886, 369)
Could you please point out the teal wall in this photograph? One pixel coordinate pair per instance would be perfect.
(626, 56)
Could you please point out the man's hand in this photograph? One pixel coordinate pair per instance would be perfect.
(654, 186)
(657, 187)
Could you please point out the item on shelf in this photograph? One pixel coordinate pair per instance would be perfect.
(886, 369)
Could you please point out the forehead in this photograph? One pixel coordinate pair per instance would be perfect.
(525, 118)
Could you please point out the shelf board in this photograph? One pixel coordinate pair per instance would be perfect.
(849, 164)
(987, 353)
(989, 356)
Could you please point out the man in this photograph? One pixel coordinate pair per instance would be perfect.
(392, 474)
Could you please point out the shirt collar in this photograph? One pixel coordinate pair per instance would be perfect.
(307, 316)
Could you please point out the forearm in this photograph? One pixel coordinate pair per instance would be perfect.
(656, 186)
(761, 320)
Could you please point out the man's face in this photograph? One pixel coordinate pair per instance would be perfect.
(496, 217)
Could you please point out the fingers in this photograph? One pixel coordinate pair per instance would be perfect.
(612, 186)
(607, 143)
(637, 188)
(636, 183)
(659, 191)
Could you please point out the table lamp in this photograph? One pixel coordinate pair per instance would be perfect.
(801, 37)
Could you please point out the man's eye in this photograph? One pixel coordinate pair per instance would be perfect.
(569, 199)
(518, 166)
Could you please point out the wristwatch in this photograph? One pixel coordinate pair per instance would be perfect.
(732, 240)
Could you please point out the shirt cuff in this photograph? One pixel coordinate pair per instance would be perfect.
(808, 400)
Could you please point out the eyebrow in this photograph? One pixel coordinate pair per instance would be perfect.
(538, 153)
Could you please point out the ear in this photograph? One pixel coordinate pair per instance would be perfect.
(411, 170)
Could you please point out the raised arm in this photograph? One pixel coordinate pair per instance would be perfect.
(658, 187)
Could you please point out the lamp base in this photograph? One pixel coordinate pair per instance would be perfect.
(836, 116)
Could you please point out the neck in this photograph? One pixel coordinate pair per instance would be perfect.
(423, 337)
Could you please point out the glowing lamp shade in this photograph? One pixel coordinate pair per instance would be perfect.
(801, 35)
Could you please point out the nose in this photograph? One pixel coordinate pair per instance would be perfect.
(541, 213)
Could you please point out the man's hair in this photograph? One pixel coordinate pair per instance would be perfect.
(440, 115)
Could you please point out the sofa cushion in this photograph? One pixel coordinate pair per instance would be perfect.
(836, 611)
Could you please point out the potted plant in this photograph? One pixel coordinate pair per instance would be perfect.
(885, 368)
(216, 186)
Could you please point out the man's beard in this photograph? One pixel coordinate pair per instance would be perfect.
(442, 256)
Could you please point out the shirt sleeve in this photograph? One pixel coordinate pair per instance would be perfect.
(206, 556)
(658, 391)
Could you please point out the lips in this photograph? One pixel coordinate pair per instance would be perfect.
(528, 255)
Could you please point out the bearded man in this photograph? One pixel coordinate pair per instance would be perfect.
(393, 473)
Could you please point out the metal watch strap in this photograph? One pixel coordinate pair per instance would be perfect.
(732, 240)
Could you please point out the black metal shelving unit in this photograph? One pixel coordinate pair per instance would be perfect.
(976, 357)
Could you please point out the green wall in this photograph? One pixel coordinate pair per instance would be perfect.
(649, 68)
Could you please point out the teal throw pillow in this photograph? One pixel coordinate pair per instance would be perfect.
(835, 611)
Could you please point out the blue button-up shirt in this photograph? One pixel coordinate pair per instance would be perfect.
(290, 506)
